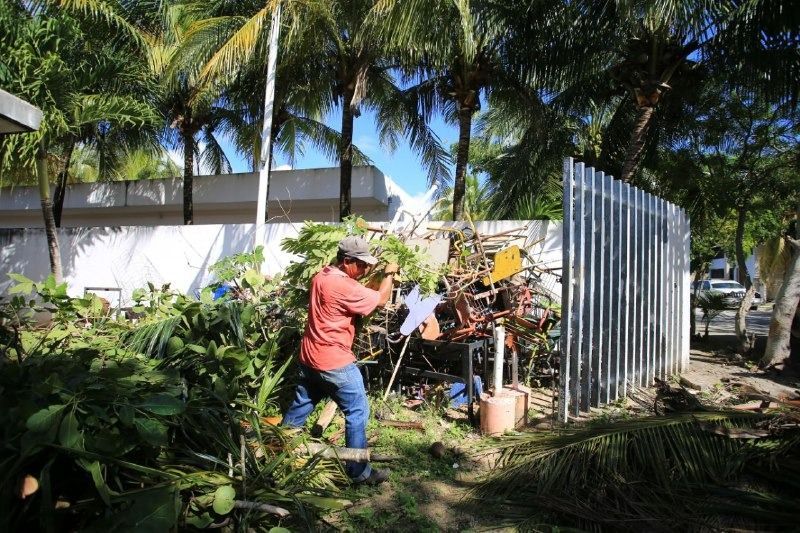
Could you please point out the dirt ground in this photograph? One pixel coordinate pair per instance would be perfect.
(426, 493)
(715, 367)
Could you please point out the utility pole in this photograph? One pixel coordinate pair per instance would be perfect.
(266, 130)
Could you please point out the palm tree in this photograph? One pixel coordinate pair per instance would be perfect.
(476, 201)
(659, 55)
(136, 164)
(196, 117)
(44, 50)
(299, 105)
(451, 69)
(338, 65)
(532, 138)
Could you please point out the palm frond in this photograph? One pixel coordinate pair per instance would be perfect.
(152, 338)
(100, 10)
(654, 473)
(213, 156)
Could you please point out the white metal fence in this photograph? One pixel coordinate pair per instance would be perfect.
(625, 301)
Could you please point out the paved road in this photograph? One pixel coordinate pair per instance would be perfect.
(757, 322)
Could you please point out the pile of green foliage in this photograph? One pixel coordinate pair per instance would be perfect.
(150, 424)
(317, 244)
(162, 420)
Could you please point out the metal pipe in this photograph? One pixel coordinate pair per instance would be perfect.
(499, 353)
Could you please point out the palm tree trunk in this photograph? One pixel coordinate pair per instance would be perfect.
(462, 158)
(346, 157)
(188, 175)
(744, 279)
(636, 144)
(47, 213)
(61, 183)
(786, 304)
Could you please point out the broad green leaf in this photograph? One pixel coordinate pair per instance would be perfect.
(207, 297)
(253, 278)
(21, 288)
(278, 529)
(69, 433)
(126, 414)
(45, 419)
(224, 499)
(323, 502)
(247, 315)
(19, 278)
(162, 404)
(152, 431)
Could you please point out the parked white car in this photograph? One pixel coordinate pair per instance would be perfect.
(732, 291)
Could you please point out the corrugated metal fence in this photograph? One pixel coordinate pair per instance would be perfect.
(625, 301)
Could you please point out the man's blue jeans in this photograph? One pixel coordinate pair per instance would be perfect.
(346, 387)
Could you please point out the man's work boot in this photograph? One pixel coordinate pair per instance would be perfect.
(376, 477)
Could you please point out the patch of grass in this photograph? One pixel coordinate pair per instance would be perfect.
(406, 516)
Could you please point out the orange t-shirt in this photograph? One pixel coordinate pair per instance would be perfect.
(336, 299)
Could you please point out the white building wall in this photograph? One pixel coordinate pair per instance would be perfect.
(294, 196)
(129, 257)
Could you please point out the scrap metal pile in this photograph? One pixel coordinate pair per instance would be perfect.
(441, 345)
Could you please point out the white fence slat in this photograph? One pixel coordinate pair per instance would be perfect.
(567, 286)
(624, 290)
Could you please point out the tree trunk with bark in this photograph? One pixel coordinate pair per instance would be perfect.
(47, 212)
(636, 145)
(462, 158)
(780, 326)
(698, 275)
(188, 177)
(742, 337)
(61, 183)
(741, 261)
(744, 279)
(346, 157)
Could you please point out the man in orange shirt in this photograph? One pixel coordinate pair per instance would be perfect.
(327, 363)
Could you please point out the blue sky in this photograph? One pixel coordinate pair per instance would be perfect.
(403, 166)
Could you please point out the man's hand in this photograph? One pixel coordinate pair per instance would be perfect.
(387, 283)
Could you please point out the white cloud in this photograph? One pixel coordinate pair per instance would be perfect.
(417, 203)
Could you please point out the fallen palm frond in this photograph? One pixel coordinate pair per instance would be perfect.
(699, 471)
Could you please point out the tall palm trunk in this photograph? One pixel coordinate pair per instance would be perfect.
(188, 177)
(47, 212)
(636, 144)
(346, 157)
(780, 326)
(462, 157)
(61, 183)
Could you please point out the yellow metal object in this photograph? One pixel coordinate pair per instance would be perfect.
(506, 263)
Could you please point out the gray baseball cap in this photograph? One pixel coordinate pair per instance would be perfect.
(357, 248)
